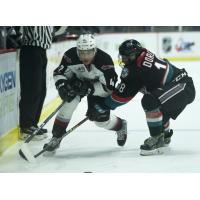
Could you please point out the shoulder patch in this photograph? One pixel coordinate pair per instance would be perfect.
(125, 72)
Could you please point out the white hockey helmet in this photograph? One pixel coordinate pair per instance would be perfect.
(86, 42)
(86, 48)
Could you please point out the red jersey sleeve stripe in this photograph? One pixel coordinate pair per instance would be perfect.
(121, 99)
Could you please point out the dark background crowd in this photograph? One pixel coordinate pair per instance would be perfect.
(10, 36)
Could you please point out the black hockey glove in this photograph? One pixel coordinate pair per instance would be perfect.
(98, 113)
(65, 90)
(83, 88)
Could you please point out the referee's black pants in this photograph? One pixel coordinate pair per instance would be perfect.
(33, 63)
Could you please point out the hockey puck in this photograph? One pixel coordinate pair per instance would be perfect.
(87, 172)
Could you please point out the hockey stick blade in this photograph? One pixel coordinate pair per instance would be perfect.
(26, 154)
(68, 132)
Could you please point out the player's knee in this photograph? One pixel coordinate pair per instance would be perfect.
(149, 102)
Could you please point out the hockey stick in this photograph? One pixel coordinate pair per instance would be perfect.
(28, 156)
(39, 128)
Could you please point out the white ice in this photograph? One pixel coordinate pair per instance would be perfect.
(91, 149)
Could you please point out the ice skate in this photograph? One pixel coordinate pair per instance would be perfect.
(52, 146)
(167, 137)
(153, 145)
(122, 134)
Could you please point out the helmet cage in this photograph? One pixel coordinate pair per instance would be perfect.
(86, 46)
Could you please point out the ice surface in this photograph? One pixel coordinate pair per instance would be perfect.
(92, 151)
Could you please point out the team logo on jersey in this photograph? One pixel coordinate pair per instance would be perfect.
(81, 69)
(125, 72)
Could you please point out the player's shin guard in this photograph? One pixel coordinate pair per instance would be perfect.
(154, 121)
(59, 127)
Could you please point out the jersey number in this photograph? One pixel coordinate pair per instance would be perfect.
(148, 61)
(160, 65)
(157, 65)
(121, 87)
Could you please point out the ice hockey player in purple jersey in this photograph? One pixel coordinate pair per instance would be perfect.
(167, 91)
(85, 70)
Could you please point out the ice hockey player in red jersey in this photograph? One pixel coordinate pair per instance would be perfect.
(85, 70)
(167, 91)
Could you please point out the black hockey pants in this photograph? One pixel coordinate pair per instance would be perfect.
(175, 96)
(33, 62)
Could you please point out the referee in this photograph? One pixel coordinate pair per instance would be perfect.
(33, 62)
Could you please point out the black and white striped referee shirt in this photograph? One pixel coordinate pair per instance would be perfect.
(40, 36)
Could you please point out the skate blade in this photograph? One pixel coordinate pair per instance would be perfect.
(49, 153)
(158, 151)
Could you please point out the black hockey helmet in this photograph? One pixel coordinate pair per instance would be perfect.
(130, 47)
(128, 51)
